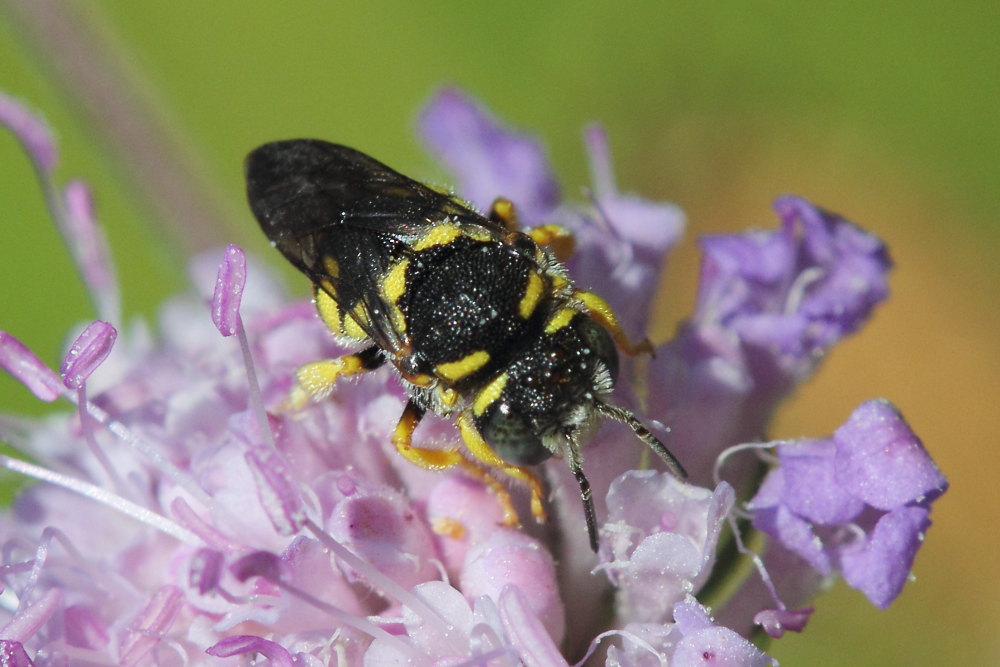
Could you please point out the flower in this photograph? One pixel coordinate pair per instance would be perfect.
(858, 502)
(188, 514)
(693, 639)
(662, 535)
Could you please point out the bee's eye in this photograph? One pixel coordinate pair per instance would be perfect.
(511, 436)
(599, 343)
(522, 243)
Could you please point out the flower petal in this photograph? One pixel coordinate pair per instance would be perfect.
(85, 628)
(811, 489)
(880, 567)
(150, 625)
(486, 159)
(776, 622)
(653, 227)
(881, 461)
(705, 644)
(794, 533)
(527, 630)
(277, 492)
(511, 559)
(663, 534)
(793, 292)
(381, 527)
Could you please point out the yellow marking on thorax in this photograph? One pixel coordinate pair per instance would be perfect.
(559, 320)
(394, 286)
(467, 365)
(478, 234)
(489, 394)
(331, 267)
(329, 312)
(440, 234)
(394, 283)
(532, 295)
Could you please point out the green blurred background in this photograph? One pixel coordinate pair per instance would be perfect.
(888, 113)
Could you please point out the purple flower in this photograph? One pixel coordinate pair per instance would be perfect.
(189, 514)
(621, 240)
(770, 306)
(858, 502)
(488, 160)
(791, 293)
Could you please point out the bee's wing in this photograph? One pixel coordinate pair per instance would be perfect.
(318, 202)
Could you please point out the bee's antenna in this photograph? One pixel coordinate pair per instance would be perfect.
(576, 465)
(626, 417)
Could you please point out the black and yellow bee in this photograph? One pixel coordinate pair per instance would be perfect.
(481, 320)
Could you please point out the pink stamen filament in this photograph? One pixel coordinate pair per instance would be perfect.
(89, 437)
(732, 516)
(102, 496)
(635, 639)
(144, 448)
(356, 622)
(381, 582)
(256, 402)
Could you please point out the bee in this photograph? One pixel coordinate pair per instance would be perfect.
(481, 320)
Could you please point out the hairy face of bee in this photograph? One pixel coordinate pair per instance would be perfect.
(549, 393)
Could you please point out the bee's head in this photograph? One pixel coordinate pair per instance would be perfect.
(549, 393)
(547, 399)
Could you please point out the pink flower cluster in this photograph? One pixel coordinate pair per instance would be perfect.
(186, 515)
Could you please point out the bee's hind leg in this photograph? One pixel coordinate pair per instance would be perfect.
(315, 380)
(442, 459)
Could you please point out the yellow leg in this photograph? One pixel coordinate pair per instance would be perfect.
(441, 459)
(601, 311)
(503, 212)
(556, 238)
(478, 447)
(315, 380)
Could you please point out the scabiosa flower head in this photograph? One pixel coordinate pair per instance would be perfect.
(189, 514)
